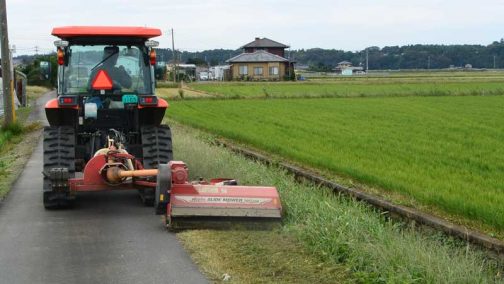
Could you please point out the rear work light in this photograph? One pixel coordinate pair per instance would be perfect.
(147, 100)
(61, 56)
(152, 57)
(67, 101)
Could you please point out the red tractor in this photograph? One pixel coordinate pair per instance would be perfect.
(106, 122)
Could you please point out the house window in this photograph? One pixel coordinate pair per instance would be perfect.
(258, 70)
(243, 70)
(273, 70)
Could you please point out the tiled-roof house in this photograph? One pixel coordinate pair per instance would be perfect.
(262, 59)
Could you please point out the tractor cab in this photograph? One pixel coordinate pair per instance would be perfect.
(101, 69)
(105, 83)
(104, 68)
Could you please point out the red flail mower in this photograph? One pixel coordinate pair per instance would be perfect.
(106, 123)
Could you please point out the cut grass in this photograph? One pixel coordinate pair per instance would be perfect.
(360, 87)
(324, 235)
(443, 151)
(258, 257)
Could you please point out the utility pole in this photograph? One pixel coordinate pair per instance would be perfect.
(495, 65)
(36, 50)
(8, 94)
(428, 62)
(174, 58)
(367, 60)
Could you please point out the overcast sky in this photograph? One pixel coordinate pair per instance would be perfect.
(210, 24)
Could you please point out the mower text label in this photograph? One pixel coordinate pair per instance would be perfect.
(226, 200)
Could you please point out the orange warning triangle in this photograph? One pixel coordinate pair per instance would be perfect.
(102, 81)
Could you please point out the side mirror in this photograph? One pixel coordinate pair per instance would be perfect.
(61, 43)
(151, 43)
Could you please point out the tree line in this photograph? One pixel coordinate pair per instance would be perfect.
(418, 56)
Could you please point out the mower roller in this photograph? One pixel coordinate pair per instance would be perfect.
(106, 123)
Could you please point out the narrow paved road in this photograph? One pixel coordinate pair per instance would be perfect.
(109, 237)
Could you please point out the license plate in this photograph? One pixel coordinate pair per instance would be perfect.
(130, 99)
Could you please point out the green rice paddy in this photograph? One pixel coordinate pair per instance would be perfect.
(358, 87)
(444, 151)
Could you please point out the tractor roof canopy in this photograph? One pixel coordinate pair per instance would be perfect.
(72, 32)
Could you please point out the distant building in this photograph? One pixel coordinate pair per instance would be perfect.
(185, 72)
(262, 59)
(344, 64)
(345, 68)
(220, 72)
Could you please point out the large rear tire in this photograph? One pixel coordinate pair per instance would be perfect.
(157, 146)
(156, 149)
(59, 154)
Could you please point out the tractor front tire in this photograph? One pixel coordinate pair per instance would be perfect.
(156, 150)
(59, 154)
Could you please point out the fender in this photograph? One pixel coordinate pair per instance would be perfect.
(162, 103)
(53, 103)
(61, 115)
(152, 115)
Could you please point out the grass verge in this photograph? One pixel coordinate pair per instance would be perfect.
(347, 240)
(35, 92)
(259, 257)
(10, 132)
(15, 153)
(17, 142)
